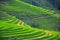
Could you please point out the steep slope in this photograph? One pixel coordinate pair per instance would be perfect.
(50, 4)
(56, 3)
(44, 18)
(40, 3)
(32, 15)
(11, 19)
(11, 31)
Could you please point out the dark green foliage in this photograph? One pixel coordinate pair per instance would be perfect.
(40, 3)
(3, 0)
(56, 3)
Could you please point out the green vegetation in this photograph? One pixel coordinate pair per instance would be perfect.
(40, 3)
(44, 17)
(12, 26)
(9, 30)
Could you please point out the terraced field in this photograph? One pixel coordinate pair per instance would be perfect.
(9, 30)
(45, 18)
(12, 27)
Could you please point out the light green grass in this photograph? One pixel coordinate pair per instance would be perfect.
(26, 32)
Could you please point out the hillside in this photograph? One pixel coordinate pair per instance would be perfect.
(55, 3)
(40, 3)
(38, 17)
(50, 4)
(24, 21)
(9, 30)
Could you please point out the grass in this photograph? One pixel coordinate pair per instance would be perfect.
(44, 17)
(12, 28)
(22, 32)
